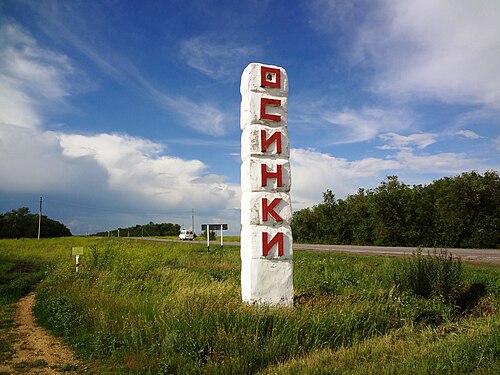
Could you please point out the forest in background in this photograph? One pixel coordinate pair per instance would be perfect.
(452, 212)
(20, 223)
(146, 230)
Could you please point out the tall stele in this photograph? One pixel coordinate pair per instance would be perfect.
(266, 212)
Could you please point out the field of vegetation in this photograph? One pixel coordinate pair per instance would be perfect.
(139, 307)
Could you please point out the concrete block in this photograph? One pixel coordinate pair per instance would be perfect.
(273, 106)
(262, 208)
(268, 282)
(251, 80)
(256, 138)
(265, 175)
(253, 246)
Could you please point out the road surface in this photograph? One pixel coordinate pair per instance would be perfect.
(491, 256)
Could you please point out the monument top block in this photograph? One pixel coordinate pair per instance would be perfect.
(264, 79)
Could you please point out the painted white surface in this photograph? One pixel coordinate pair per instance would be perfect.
(250, 111)
(251, 178)
(265, 278)
(267, 282)
(252, 211)
(251, 136)
(251, 235)
(250, 81)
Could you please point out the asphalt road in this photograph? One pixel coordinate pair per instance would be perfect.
(491, 256)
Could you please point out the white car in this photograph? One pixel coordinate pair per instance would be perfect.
(186, 234)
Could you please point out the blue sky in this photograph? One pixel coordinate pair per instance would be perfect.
(123, 112)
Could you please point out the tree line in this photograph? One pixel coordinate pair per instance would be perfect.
(146, 230)
(20, 223)
(452, 212)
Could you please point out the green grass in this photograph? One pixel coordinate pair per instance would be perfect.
(140, 307)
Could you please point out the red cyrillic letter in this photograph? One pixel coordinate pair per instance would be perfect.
(266, 142)
(269, 209)
(270, 77)
(265, 174)
(266, 116)
(266, 246)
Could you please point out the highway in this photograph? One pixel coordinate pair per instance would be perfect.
(491, 256)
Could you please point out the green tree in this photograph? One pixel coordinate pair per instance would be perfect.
(391, 212)
(20, 223)
(358, 213)
(460, 211)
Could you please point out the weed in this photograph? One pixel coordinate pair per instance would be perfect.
(436, 275)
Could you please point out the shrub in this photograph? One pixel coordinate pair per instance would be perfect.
(436, 275)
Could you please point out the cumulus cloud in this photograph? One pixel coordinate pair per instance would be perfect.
(139, 168)
(448, 50)
(314, 172)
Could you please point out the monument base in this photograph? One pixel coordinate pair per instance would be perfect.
(267, 282)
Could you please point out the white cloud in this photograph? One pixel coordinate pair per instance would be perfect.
(448, 49)
(126, 174)
(314, 172)
(31, 161)
(202, 117)
(29, 77)
(350, 126)
(469, 134)
(138, 168)
(497, 143)
(397, 142)
(447, 163)
(219, 59)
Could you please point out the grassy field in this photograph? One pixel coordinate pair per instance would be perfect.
(139, 307)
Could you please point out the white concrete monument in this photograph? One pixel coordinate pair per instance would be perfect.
(266, 213)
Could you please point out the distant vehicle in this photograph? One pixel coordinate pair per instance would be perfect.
(186, 235)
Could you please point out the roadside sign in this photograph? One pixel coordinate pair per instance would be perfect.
(77, 250)
(214, 226)
(209, 227)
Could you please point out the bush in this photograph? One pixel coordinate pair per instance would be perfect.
(436, 275)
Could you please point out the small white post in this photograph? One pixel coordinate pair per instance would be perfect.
(77, 260)
(221, 237)
(208, 237)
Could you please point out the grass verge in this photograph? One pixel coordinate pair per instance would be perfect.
(158, 308)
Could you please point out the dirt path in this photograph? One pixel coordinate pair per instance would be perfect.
(35, 350)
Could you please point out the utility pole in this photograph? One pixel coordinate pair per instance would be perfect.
(192, 219)
(40, 218)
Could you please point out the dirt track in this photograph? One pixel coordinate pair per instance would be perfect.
(35, 350)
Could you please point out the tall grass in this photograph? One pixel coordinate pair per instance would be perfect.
(153, 308)
(436, 275)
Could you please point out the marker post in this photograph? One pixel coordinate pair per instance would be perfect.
(76, 252)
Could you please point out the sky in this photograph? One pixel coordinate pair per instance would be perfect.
(119, 113)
